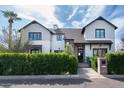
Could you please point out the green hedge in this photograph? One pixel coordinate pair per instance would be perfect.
(93, 62)
(36, 64)
(115, 63)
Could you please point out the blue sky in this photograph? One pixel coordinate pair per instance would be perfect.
(65, 15)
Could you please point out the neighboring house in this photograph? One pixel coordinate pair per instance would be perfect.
(94, 39)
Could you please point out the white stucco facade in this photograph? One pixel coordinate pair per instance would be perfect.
(89, 50)
(57, 45)
(48, 42)
(100, 24)
(89, 34)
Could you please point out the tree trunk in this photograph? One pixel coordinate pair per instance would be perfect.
(10, 35)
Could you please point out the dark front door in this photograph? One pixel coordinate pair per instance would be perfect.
(80, 54)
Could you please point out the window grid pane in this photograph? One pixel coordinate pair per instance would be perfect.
(59, 37)
(99, 52)
(35, 35)
(100, 33)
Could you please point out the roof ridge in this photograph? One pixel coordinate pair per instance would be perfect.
(35, 22)
(98, 18)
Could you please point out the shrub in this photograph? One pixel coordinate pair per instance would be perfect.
(115, 63)
(93, 61)
(36, 64)
(88, 61)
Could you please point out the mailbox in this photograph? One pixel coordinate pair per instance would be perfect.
(102, 65)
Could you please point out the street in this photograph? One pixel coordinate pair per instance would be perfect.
(63, 83)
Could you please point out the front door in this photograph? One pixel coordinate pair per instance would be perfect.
(80, 54)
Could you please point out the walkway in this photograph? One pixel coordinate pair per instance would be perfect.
(86, 71)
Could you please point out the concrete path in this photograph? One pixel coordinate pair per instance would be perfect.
(83, 65)
(85, 70)
(89, 73)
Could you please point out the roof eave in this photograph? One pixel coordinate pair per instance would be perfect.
(34, 22)
(99, 18)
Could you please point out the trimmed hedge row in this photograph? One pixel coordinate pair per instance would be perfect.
(93, 62)
(115, 63)
(36, 64)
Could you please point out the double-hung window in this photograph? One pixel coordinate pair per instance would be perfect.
(35, 35)
(100, 33)
(59, 37)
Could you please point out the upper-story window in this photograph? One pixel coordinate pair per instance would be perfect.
(35, 36)
(59, 37)
(100, 33)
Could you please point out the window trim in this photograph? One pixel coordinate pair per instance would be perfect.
(59, 39)
(58, 51)
(35, 36)
(100, 31)
(99, 49)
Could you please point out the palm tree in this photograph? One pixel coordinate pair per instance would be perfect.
(12, 16)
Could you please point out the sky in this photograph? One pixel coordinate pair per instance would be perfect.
(65, 15)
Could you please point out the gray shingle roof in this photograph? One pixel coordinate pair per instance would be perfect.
(73, 33)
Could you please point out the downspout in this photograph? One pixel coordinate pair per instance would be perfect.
(51, 42)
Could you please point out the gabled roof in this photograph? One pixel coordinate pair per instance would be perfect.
(99, 18)
(34, 21)
(57, 31)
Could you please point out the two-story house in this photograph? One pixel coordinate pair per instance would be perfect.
(94, 39)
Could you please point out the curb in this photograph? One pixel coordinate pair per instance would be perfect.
(59, 77)
(44, 77)
(114, 76)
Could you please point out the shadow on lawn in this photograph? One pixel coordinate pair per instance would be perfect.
(9, 83)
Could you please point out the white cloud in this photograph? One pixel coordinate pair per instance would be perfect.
(28, 17)
(119, 22)
(76, 24)
(92, 12)
(80, 11)
(75, 9)
(42, 12)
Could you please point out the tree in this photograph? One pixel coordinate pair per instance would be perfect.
(69, 49)
(12, 16)
(16, 41)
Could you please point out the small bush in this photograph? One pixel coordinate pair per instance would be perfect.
(93, 61)
(88, 61)
(115, 63)
(36, 64)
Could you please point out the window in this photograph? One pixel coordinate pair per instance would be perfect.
(57, 51)
(99, 52)
(100, 33)
(59, 37)
(35, 35)
(34, 51)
